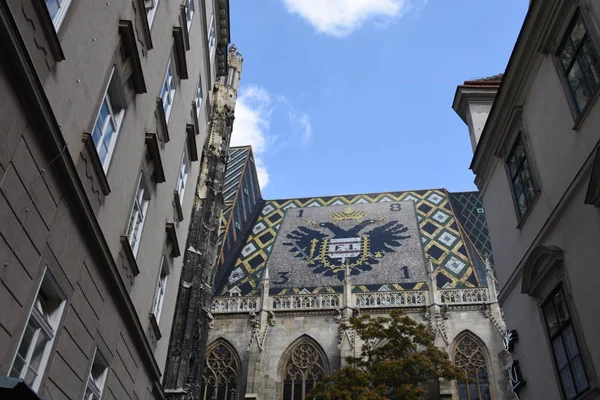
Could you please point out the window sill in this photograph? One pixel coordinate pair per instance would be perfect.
(579, 120)
(127, 32)
(172, 236)
(177, 205)
(184, 23)
(154, 152)
(161, 120)
(50, 32)
(142, 16)
(128, 265)
(591, 393)
(523, 219)
(92, 156)
(191, 141)
(179, 46)
(155, 326)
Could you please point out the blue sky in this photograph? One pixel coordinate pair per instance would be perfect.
(354, 96)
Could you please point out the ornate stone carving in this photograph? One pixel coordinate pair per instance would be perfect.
(306, 301)
(391, 299)
(464, 296)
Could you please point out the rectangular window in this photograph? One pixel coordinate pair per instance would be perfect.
(579, 60)
(97, 377)
(198, 96)
(151, 6)
(33, 351)
(57, 10)
(168, 90)
(564, 344)
(183, 174)
(138, 214)
(108, 122)
(161, 289)
(189, 13)
(522, 182)
(211, 38)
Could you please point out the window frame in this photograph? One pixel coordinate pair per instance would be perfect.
(562, 327)
(142, 203)
(183, 175)
(151, 12)
(198, 96)
(114, 98)
(169, 94)
(159, 296)
(49, 328)
(521, 137)
(588, 37)
(212, 38)
(96, 388)
(63, 7)
(190, 10)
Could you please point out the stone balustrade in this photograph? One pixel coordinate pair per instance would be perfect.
(306, 302)
(464, 296)
(234, 304)
(391, 299)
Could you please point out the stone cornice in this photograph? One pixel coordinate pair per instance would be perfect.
(21, 68)
(466, 94)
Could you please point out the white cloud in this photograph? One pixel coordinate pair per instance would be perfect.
(261, 172)
(251, 125)
(341, 17)
(253, 111)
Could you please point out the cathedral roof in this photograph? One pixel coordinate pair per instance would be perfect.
(386, 241)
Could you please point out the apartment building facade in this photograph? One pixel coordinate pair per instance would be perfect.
(105, 109)
(535, 133)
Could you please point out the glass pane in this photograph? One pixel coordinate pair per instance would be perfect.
(287, 390)
(108, 135)
(473, 391)
(561, 307)
(582, 95)
(559, 352)
(26, 341)
(567, 382)
(522, 203)
(581, 382)
(518, 185)
(551, 319)
(222, 392)
(17, 368)
(590, 62)
(578, 33)
(38, 351)
(100, 125)
(298, 390)
(575, 76)
(570, 342)
(566, 53)
(53, 7)
(462, 391)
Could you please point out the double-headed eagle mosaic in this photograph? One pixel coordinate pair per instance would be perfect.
(333, 250)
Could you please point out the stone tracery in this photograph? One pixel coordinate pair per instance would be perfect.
(221, 372)
(305, 366)
(469, 356)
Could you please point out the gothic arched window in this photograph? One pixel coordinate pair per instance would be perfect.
(220, 375)
(304, 367)
(469, 356)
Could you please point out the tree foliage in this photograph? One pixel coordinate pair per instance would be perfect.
(398, 359)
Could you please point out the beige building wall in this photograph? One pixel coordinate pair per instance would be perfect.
(555, 242)
(53, 82)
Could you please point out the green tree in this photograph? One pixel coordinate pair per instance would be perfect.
(398, 358)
